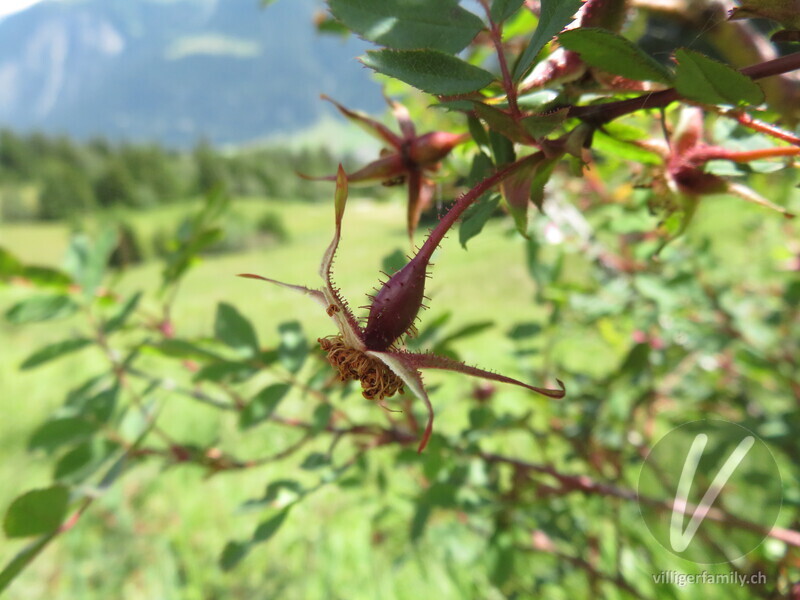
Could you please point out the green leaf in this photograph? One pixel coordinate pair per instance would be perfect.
(293, 348)
(100, 407)
(467, 331)
(315, 460)
(279, 494)
(41, 308)
(119, 319)
(46, 277)
(226, 371)
(429, 70)
(502, 148)
(54, 351)
(606, 141)
(501, 122)
(503, 9)
(615, 54)
(410, 24)
(22, 560)
(87, 259)
(10, 265)
(553, 17)
(477, 132)
(196, 234)
(539, 125)
(82, 461)
(262, 405)
(395, 261)
(543, 172)
(321, 418)
(233, 554)
(476, 217)
(235, 331)
(182, 349)
(58, 432)
(703, 79)
(37, 512)
(480, 169)
(270, 527)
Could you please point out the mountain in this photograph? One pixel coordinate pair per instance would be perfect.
(175, 71)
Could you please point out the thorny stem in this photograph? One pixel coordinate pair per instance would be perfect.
(599, 114)
(588, 485)
(496, 34)
(464, 202)
(120, 371)
(762, 127)
(703, 155)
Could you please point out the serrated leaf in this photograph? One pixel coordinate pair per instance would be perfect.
(476, 217)
(58, 432)
(37, 512)
(615, 54)
(234, 330)
(53, 351)
(539, 125)
(700, 78)
(501, 122)
(262, 405)
(503, 9)
(41, 308)
(553, 17)
(429, 70)
(410, 24)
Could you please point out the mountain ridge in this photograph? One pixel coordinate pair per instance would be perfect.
(174, 72)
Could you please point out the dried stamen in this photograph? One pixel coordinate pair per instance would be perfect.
(377, 380)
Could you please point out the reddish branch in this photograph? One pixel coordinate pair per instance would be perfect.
(586, 484)
(598, 114)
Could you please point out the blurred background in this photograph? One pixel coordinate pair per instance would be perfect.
(173, 71)
(130, 114)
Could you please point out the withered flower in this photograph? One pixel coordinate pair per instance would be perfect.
(373, 354)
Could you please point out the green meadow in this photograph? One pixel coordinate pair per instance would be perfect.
(158, 534)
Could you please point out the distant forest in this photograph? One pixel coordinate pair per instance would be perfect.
(53, 178)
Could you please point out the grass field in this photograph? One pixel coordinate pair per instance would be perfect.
(159, 531)
(149, 537)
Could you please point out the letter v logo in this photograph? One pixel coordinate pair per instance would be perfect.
(680, 539)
